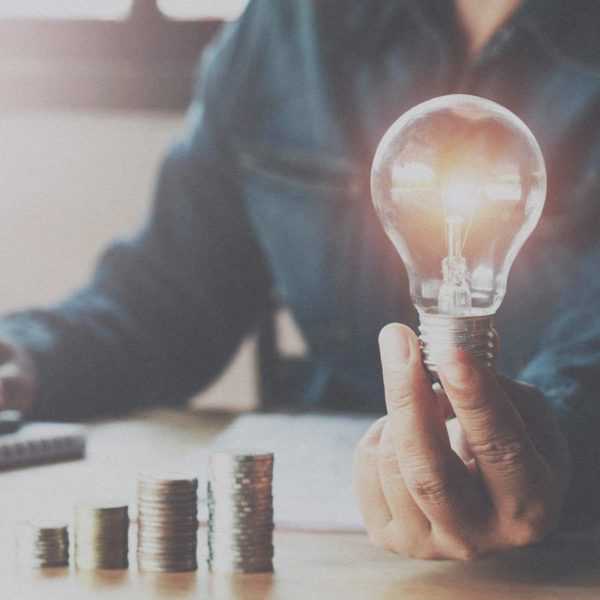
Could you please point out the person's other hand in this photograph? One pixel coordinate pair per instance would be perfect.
(17, 378)
(491, 478)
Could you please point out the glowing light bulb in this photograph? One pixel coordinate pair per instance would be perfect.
(459, 183)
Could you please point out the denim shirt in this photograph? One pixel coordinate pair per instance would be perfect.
(267, 194)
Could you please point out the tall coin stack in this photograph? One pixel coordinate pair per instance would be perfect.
(43, 544)
(240, 512)
(101, 536)
(167, 522)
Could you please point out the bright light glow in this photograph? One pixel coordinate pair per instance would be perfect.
(458, 183)
(507, 190)
(412, 175)
(187, 10)
(461, 195)
(65, 9)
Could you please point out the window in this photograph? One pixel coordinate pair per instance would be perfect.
(187, 10)
(131, 54)
(65, 9)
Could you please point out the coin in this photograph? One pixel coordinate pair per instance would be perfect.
(42, 544)
(167, 521)
(240, 512)
(101, 535)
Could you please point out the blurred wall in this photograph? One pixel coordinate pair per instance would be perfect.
(70, 182)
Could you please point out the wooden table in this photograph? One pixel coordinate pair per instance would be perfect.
(308, 565)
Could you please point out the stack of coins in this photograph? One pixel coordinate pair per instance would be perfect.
(167, 522)
(101, 536)
(240, 512)
(43, 544)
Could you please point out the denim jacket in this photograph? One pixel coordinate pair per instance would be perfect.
(267, 195)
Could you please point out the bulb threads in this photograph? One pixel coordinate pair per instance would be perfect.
(440, 334)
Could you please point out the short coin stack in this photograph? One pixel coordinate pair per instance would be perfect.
(101, 536)
(240, 512)
(43, 544)
(167, 522)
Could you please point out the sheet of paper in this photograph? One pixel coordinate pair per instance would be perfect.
(312, 482)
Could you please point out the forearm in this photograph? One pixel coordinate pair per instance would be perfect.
(142, 341)
(163, 312)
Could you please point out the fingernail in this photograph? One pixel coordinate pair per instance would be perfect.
(394, 344)
(456, 373)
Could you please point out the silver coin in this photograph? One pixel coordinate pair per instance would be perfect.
(46, 564)
(242, 493)
(101, 565)
(231, 519)
(241, 555)
(240, 536)
(247, 557)
(239, 506)
(233, 567)
(240, 499)
(167, 528)
(167, 544)
(166, 557)
(151, 567)
(167, 517)
(157, 497)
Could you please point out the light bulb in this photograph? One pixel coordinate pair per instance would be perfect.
(459, 184)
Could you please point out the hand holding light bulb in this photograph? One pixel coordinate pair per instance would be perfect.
(459, 184)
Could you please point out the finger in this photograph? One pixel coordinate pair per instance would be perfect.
(412, 524)
(14, 390)
(509, 463)
(7, 351)
(540, 421)
(436, 478)
(367, 485)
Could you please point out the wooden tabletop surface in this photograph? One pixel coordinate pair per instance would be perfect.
(307, 565)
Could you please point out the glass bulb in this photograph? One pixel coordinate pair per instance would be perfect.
(459, 183)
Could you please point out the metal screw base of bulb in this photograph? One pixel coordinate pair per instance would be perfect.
(440, 334)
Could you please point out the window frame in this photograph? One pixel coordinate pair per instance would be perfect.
(146, 61)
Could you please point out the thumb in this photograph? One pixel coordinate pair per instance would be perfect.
(15, 388)
(401, 365)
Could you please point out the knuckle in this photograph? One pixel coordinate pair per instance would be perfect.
(526, 533)
(377, 538)
(399, 539)
(529, 524)
(421, 552)
(465, 551)
(392, 538)
(429, 487)
(471, 401)
(399, 397)
(372, 436)
(424, 548)
(507, 453)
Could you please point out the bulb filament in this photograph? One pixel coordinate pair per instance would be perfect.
(455, 293)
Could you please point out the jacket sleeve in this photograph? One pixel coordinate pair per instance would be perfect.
(567, 370)
(164, 311)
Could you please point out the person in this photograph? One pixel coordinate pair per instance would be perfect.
(267, 196)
